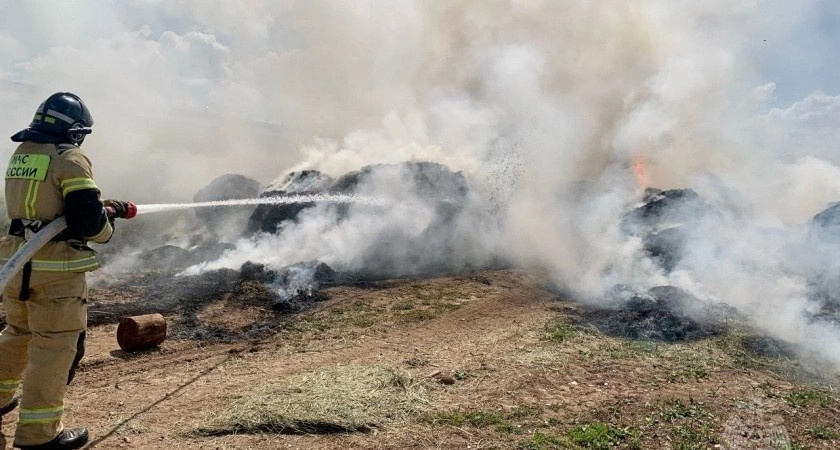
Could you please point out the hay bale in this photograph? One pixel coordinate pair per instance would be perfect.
(267, 218)
(339, 399)
(226, 221)
(665, 220)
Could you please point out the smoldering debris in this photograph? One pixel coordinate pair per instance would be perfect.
(664, 219)
(154, 291)
(428, 249)
(688, 238)
(290, 288)
(274, 293)
(662, 313)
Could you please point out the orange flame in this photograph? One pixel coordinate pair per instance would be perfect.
(639, 167)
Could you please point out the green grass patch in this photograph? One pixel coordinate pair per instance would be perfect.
(475, 418)
(405, 305)
(415, 315)
(558, 331)
(524, 412)
(824, 432)
(364, 320)
(801, 398)
(543, 441)
(693, 437)
(597, 435)
(361, 306)
(514, 421)
(509, 428)
(691, 372)
(674, 409)
(633, 349)
(338, 399)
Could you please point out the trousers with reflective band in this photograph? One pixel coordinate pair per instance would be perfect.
(40, 415)
(8, 386)
(73, 265)
(39, 346)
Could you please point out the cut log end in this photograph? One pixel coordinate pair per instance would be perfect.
(141, 332)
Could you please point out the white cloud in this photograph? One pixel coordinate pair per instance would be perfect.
(809, 127)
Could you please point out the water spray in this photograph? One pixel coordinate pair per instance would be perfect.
(45, 234)
(275, 200)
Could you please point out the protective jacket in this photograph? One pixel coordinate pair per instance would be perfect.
(43, 180)
(46, 302)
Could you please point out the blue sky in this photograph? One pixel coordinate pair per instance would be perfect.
(804, 56)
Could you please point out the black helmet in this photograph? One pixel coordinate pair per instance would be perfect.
(63, 115)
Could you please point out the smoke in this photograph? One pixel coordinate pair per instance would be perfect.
(543, 106)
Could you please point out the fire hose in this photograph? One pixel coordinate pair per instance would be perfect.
(40, 239)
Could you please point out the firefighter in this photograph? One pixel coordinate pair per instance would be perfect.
(46, 302)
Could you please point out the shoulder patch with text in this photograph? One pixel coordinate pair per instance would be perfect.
(26, 166)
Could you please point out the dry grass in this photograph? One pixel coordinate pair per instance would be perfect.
(339, 399)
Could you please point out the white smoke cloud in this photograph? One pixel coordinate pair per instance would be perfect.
(570, 93)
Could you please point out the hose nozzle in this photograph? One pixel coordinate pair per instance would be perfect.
(130, 211)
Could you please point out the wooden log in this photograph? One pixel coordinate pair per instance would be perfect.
(141, 332)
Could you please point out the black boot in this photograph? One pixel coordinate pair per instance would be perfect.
(10, 407)
(66, 440)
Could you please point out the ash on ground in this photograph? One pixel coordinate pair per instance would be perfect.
(193, 303)
(663, 313)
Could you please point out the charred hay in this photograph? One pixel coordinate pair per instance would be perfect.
(182, 298)
(662, 313)
(665, 220)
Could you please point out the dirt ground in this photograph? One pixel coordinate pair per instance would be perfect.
(526, 375)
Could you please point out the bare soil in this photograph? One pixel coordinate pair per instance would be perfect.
(527, 374)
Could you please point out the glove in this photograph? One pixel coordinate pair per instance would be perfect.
(119, 208)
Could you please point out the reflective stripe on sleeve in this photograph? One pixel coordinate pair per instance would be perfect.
(41, 415)
(102, 233)
(7, 386)
(76, 184)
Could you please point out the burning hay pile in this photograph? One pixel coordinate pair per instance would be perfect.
(430, 228)
(430, 246)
